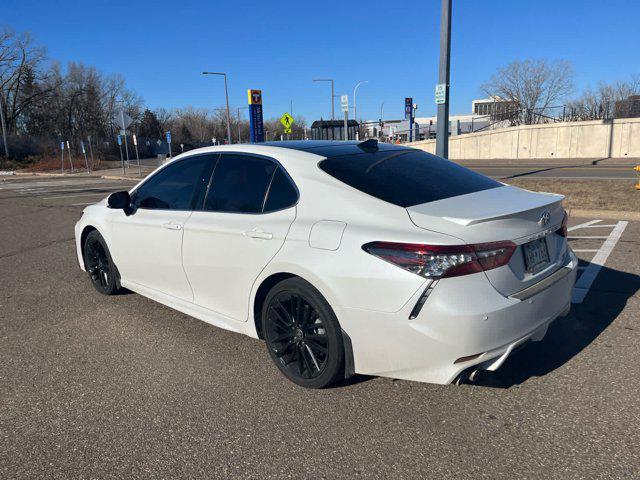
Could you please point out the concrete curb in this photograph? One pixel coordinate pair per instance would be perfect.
(602, 214)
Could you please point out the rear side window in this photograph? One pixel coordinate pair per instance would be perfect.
(282, 194)
(406, 177)
(239, 184)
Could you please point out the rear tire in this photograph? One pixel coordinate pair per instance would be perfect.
(302, 334)
(99, 265)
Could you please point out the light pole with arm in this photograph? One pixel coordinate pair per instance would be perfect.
(332, 95)
(355, 110)
(226, 94)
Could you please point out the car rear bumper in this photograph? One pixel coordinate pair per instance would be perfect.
(464, 322)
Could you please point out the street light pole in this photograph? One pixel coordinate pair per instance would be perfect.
(4, 128)
(333, 117)
(355, 110)
(442, 129)
(226, 94)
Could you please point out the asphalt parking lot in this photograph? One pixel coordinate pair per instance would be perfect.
(123, 387)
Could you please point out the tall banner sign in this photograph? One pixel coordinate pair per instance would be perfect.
(408, 113)
(256, 125)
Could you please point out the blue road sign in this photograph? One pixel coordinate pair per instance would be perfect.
(256, 125)
(61, 145)
(168, 137)
(119, 140)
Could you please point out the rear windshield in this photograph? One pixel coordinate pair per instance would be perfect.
(406, 177)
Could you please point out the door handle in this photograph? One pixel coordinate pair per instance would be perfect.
(255, 233)
(172, 226)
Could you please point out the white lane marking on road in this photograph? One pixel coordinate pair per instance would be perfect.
(585, 250)
(600, 225)
(585, 281)
(22, 185)
(587, 236)
(585, 224)
(82, 204)
(70, 190)
(95, 194)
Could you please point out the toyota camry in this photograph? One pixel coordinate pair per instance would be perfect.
(344, 257)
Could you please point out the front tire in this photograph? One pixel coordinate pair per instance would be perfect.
(302, 334)
(99, 265)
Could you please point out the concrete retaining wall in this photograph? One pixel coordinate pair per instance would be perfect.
(618, 138)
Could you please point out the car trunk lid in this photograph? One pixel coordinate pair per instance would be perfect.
(503, 213)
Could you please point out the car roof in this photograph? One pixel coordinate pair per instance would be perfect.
(331, 148)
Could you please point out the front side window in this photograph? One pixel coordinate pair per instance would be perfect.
(239, 184)
(174, 187)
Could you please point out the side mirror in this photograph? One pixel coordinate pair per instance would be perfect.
(120, 201)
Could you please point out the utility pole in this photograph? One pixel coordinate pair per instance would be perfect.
(226, 94)
(333, 115)
(4, 128)
(442, 128)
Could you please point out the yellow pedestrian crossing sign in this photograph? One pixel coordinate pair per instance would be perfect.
(286, 120)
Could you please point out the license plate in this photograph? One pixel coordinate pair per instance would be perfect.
(536, 254)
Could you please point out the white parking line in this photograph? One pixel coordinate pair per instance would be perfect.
(586, 224)
(585, 281)
(599, 225)
(585, 250)
(586, 237)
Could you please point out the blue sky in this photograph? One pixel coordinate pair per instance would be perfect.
(161, 47)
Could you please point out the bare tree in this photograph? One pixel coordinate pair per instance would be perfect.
(533, 85)
(601, 102)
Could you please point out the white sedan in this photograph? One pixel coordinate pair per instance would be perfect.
(344, 257)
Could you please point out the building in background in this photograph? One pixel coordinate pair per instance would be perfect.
(425, 127)
(494, 107)
(332, 129)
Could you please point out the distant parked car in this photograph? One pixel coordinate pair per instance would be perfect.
(343, 256)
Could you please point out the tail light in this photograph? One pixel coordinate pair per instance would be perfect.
(562, 231)
(440, 261)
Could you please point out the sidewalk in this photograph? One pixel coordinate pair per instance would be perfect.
(130, 173)
(552, 162)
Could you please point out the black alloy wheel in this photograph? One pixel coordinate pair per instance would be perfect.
(302, 334)
(99, 265)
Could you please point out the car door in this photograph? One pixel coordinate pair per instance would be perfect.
(147, 245)
(246, 215)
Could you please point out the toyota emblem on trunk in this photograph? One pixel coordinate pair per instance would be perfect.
(544, 219)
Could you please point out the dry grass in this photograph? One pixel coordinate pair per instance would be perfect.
(47, 163)
(617, 195)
